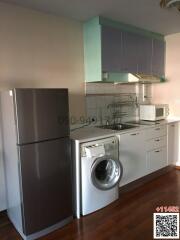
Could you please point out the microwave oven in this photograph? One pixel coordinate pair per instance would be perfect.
(154, 112)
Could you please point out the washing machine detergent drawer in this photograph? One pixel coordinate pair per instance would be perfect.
(95, 151)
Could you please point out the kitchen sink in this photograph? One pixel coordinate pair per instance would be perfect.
(117, 126)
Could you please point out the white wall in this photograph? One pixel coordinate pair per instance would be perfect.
(170, 92)
(41, 50)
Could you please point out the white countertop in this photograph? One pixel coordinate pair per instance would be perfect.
(173, 119)
(87, 134)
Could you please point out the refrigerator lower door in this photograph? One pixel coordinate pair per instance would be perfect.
(45, 184)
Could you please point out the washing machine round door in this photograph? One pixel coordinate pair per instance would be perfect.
(106, 173)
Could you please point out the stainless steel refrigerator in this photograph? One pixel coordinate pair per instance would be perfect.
(37, 159)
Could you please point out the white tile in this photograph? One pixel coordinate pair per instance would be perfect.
(100, 102)
(91, 102)
(91, 113)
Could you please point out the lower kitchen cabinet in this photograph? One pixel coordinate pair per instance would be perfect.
(156, 147)
(2, 177)
(132, 155)
(156, 159)
(2, 187)
(143, 152)
(173, 143)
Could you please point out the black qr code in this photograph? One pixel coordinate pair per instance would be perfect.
(166, 225)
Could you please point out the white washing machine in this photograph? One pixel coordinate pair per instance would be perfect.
(100, 173)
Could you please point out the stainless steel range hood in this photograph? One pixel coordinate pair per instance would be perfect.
(120, 78)
(149, 78)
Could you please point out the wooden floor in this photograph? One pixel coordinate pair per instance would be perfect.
(131, 217)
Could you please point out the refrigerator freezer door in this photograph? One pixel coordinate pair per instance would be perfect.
(45, 184)
(41, 114)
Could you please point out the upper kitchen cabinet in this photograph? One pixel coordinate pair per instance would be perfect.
(92, 51)
(130, 52)
(137, 53)
(158, 57)
(112, 49)
(125, 52)
(144, 48)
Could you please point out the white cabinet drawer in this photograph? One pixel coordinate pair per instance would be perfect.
(156, 132)
(156, 143)
(156, 159)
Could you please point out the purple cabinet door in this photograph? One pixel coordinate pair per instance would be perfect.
(145, 55)
(158, 57)
(112, 55)
(130, 52)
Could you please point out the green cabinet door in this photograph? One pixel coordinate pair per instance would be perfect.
(92, 50)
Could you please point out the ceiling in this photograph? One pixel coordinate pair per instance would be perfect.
(142, 13)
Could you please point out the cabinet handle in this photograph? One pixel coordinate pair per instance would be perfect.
(172, 125)
(157, 140)
(134, 134)
(157, 151)
(157, 129)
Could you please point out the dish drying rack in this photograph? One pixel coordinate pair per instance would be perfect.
(123, 98)
(115, 107)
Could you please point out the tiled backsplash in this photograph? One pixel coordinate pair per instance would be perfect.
(115, 102)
